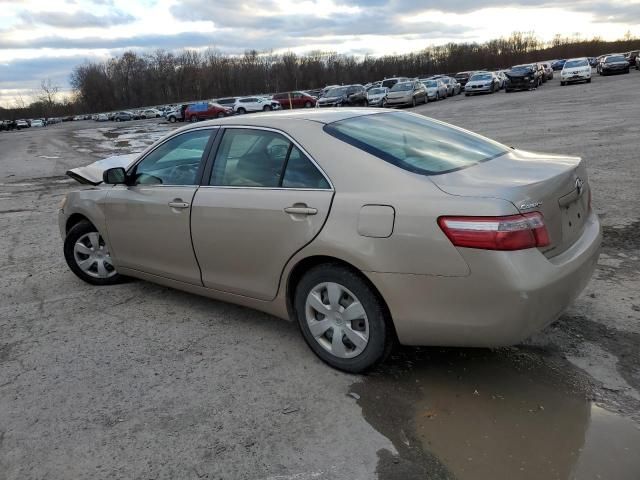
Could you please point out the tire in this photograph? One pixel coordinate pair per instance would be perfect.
(87, 235)
(241, 111)
(307, 105)
(467, 94)
(117, 119)
(626, 71)
(588, 80)
(172, 119)
(563, 83)
(374, 318)
(220, 115)
(384, 103)
(413, 102)
(267, 108)
(437, 96)
(193, 119)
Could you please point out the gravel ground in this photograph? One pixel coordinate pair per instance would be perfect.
(140, 381)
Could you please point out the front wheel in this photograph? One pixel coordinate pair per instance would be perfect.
(88, 256)
(241, 111)
(342, 319)
(266, 108)
(563, 83)
(220, 115)
(588, 80)
(172, 119)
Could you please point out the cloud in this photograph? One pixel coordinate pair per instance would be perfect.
(78, 19)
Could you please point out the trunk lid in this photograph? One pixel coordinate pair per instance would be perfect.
(92, 173)
(557, 186)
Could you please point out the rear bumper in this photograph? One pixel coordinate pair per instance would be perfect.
(507, 297)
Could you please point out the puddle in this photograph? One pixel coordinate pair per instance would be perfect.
(120, 139)
(480, 414)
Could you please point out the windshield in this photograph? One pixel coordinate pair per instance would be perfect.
(576, 63)
(615, 58)
(522, 67)
(336, 92)
(445, 80)
(415, 143)
(481, 76)
(430, 84)
(377, 91)
(400, 87)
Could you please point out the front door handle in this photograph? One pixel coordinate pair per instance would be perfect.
(301, 210)
(178, 204)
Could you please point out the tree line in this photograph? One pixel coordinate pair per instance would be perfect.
(135, 80)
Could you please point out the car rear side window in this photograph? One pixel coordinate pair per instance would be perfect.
(415, 143)
(263, 158)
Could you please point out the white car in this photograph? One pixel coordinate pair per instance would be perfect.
(377, 97)
(254, 104)
(37, 123)
(576, 70)
(102, 117)
(150, 113)
(436, 89)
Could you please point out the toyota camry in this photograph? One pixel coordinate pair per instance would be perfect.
(366, 227)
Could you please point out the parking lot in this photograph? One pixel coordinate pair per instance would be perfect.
(140, 381)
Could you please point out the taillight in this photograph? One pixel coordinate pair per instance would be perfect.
(513, 232)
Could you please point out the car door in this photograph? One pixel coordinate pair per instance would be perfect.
(264, 200)
(148, 220)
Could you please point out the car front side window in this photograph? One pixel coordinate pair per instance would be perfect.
(175, 162)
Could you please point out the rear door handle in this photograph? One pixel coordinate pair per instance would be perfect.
(178, 204)
(301, 210)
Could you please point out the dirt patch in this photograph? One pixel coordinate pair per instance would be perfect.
(622, 238)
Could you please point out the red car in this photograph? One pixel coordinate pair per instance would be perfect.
(205, 111)
(295, 100)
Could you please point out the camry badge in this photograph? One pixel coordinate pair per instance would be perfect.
(579, 185)
(527, 206)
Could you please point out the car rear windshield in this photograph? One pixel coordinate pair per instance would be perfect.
(576, 63)
(481, 76)
(616, 58)
(415, 143)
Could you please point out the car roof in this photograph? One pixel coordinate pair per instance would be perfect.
(275, 119)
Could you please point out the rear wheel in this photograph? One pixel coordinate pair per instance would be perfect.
(193, 119)
(88, 256)
(172, 119)
(241, 111)
(267, 108)
(342, 319)
(307, 105)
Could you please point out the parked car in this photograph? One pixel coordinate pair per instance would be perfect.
(20, 124)
(102, 117)
(390, 82)
(576, 70)
(150, 113)
(482, 82)
(501, 78)
(254, 104)
(345, 96)
(463, 77)
(177, 114)
(410, 93)
(614, 64)
(547, 71)
(38, 123)
(631, 57)
(453, 87)
(453, 239)
(123, 116)
(206, 110)
(377, 97)
(288, 100)
(523, 77)
(593, 61)
(558, 64)
(436, 89)
(226, 102)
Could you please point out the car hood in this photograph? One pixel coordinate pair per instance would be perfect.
(330, 99)
(617, 64)
(520, 74)
(92, 173)
(478, 82)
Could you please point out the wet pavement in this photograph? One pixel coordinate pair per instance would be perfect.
(493, 414)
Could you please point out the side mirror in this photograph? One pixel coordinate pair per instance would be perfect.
(114, 176)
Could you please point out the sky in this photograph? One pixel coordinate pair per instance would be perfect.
(45, 39)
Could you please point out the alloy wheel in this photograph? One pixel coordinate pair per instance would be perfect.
(92, 256)
(337, 320)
